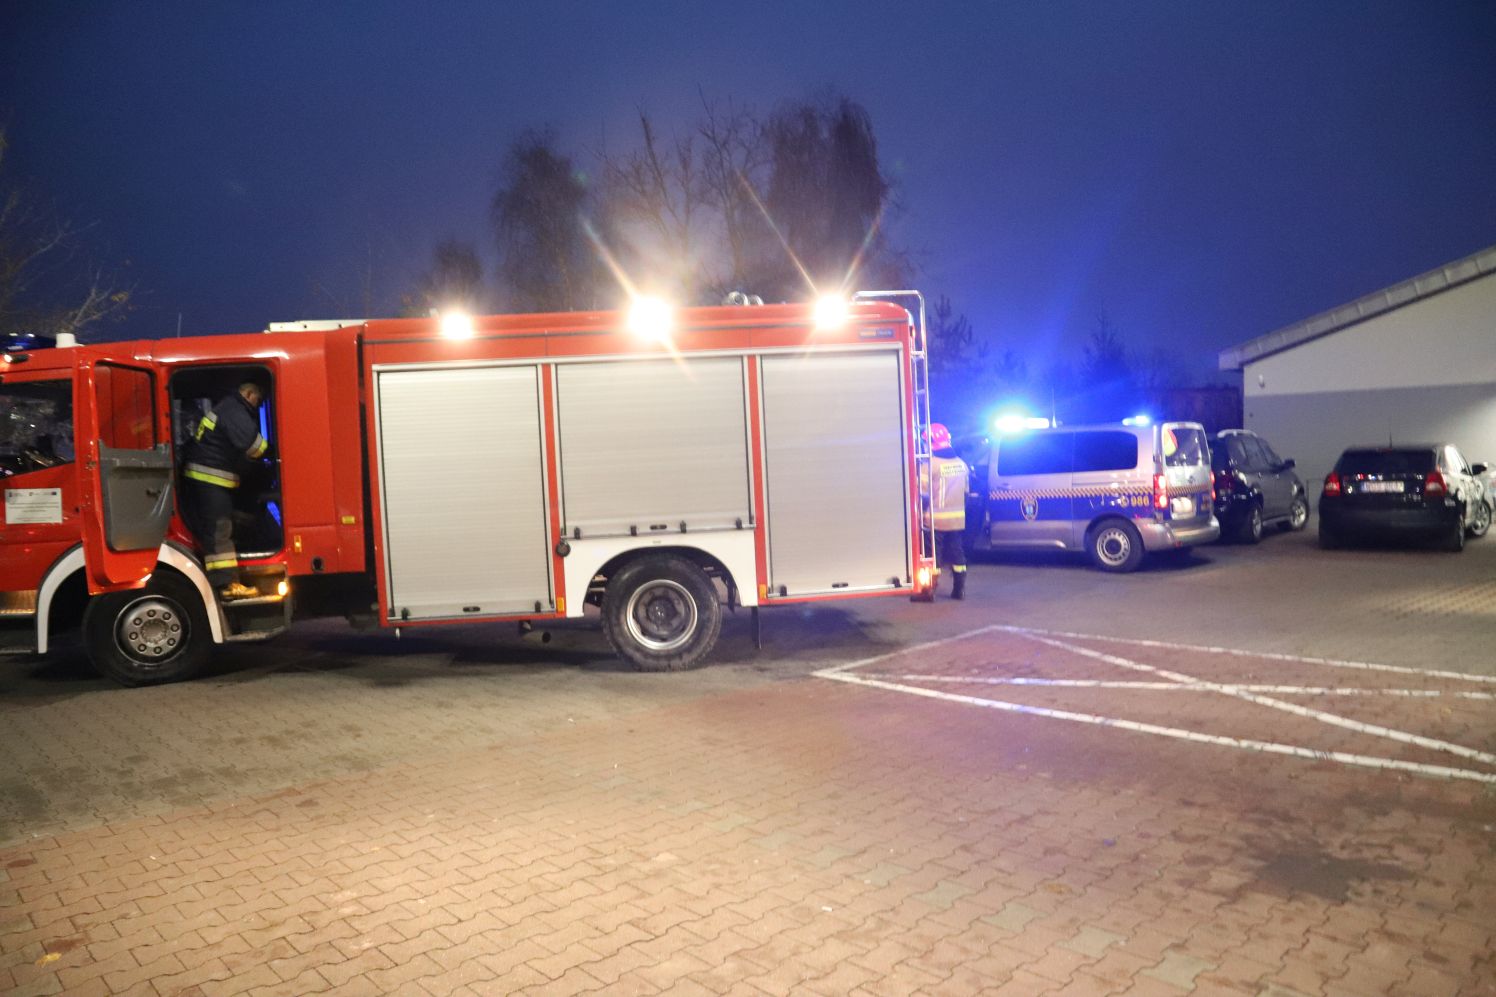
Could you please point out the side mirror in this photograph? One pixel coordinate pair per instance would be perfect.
(1288, 465)
(1479, 469)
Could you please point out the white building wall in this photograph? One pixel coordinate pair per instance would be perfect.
(1424, 372)
(1449, 338)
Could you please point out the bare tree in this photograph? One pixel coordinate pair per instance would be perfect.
(546, 259)
(1105, 358)
(735, 161)
(654, 197)
(455, 280)
(44, 287)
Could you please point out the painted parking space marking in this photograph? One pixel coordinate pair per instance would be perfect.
(860, 673)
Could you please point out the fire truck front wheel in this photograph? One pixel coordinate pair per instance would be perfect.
(151, 635)
(661, 613)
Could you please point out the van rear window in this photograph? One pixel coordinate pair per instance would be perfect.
(1184, 446)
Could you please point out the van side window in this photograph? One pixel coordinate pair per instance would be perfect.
(1106, 451)
(1040, 453)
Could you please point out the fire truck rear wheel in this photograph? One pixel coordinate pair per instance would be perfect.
(151, 635)
(662, 613)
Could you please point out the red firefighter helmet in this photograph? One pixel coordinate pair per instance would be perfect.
(940, 437)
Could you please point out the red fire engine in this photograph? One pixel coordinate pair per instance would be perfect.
(437, 471)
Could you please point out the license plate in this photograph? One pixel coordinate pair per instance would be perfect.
(1382, 486)
(1182, 506)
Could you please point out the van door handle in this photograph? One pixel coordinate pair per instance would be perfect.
(1003, 488)
(153, 492)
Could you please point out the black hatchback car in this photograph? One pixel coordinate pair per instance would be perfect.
(1424, 489)
(1254, 487)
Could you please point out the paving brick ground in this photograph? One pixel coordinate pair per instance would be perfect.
(495, 826)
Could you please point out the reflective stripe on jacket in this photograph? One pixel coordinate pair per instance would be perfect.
(949, 495)
(224, 438)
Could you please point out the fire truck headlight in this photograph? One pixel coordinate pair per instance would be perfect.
(831, 312)
(457, 325)
(650, 318)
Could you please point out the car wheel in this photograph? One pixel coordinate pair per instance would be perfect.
(1480, 523)
(661, 613)
(1250, 531)
(149, 635)
(1115, 545)
(1454, 538)
(1298, 513)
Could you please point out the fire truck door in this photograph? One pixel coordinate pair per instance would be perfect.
(126, 470)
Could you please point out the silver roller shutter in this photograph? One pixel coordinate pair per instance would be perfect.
(835, 471)
(649, 444)
(462, 491)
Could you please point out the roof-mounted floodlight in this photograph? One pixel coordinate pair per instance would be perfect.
(457, 325)
(832, 312)
(651, 318)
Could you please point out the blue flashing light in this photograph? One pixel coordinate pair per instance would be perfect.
(1137, 420)
(1014, 423)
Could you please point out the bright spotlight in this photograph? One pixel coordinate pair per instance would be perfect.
(650, 318)
(457, 325)
(1137, 420)
(831, 312)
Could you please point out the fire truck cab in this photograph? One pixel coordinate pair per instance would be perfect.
(425, 472)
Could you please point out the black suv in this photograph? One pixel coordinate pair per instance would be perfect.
(1254, 486)
(1424, 489)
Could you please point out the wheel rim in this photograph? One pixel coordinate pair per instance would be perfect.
(1482, 521)
(1113, 546)
(1254, 524)
(151, 631)
(661, 615)
(1299, 514)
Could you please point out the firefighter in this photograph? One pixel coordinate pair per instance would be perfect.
(948, 505)
(225, 441)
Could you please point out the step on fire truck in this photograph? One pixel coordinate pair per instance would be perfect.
(452, 469)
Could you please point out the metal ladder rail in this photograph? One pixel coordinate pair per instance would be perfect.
(920, 372)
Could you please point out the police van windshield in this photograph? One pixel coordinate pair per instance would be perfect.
(1184, 446)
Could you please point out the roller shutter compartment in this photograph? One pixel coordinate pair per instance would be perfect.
(462, 490)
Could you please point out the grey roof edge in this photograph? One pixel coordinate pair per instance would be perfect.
(1472, 267)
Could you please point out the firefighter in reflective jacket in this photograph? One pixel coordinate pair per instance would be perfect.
(948, 506)
(224, 440)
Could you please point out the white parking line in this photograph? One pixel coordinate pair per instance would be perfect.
(843, 673)
(1296, 690)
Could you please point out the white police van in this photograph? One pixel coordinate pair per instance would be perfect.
(1114, 491)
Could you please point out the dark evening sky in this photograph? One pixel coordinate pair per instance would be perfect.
(1204, 172)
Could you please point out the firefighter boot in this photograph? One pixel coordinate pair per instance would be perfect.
(238, 590)
(958, 585)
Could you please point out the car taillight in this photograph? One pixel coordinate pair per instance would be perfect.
(1332, 484)
(1434, 484)
(1160, 491)
(1222, 483)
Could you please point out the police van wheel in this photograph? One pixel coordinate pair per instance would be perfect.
(151, 635)
(662, 613)
(1115, 546)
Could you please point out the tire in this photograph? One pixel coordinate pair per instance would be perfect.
(150, 635)
(661, 613)
(1480, 524)
(1114, 545)
(1250, 529)
(1454, 537)
(1298, 514)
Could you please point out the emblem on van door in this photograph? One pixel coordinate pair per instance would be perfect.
(1029, 506)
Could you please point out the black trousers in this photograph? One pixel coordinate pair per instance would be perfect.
(209, 512)
(950, 550)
